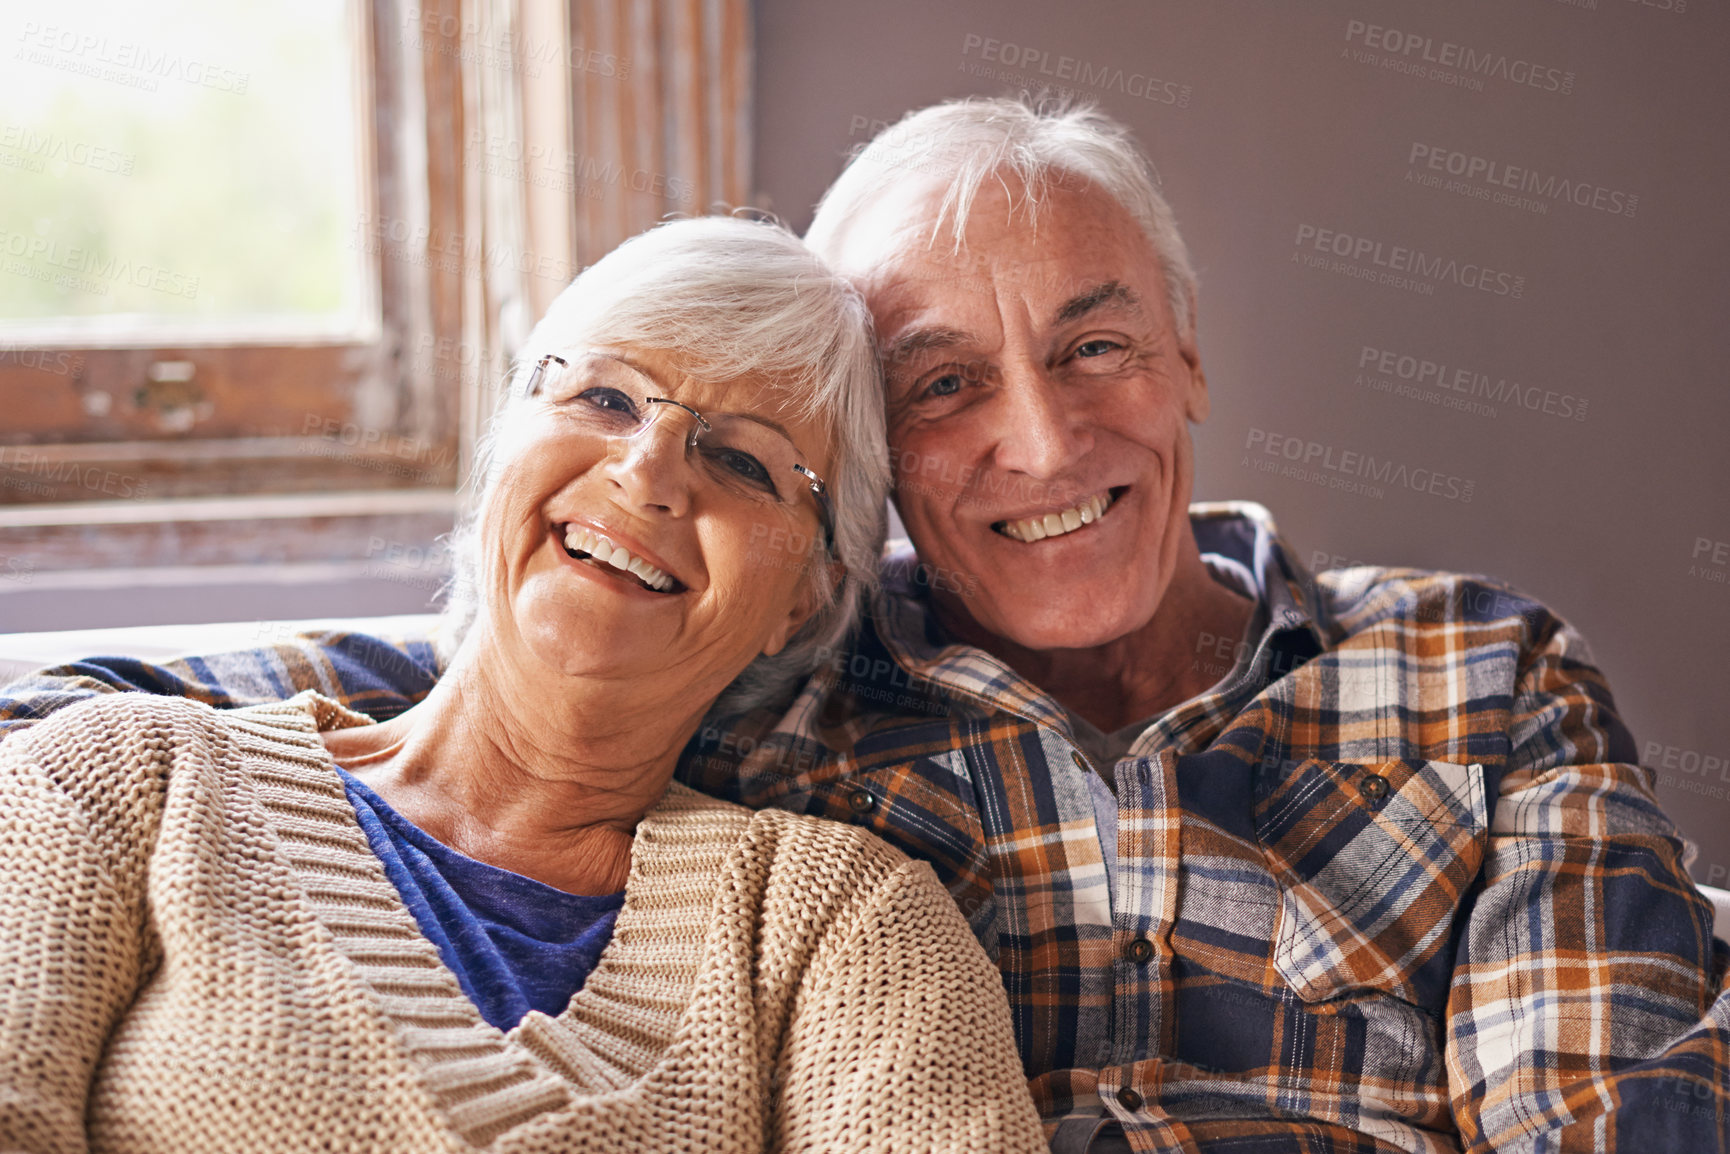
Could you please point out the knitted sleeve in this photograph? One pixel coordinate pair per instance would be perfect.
(71, 913)
(900, 1037)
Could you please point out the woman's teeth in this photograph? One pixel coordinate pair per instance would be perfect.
(581, 540)
(1057, 524)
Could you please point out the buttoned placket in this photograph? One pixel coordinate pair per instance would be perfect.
(1145, 876)
(1144, 907)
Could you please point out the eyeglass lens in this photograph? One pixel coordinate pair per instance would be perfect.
(738, 452)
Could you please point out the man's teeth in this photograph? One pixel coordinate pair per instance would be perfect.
(1057, 524)
(581, 540)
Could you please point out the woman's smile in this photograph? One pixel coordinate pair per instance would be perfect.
(609, 553)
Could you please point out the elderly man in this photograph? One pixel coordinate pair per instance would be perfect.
(1269, 861)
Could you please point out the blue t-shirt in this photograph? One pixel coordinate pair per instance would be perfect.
(514, 943)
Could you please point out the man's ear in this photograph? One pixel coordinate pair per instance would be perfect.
(1197, 404)
(826, 577)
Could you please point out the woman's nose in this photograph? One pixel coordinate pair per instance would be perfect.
(653, 466)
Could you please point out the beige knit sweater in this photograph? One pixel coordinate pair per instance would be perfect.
(199, 953)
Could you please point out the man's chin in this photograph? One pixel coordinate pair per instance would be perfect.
(1061, 622)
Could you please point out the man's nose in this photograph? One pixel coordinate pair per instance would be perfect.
(1041, 432)
(653, 468)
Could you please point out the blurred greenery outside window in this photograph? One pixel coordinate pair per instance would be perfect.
(195, 294)
(185, 164)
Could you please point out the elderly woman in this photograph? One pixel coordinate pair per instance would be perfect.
(493, 921)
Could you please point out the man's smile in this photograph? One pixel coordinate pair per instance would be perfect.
(1055, 524)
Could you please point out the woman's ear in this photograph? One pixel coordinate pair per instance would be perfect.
(818, 589)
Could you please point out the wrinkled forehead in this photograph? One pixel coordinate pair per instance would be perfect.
(908, 263)
(940, 212)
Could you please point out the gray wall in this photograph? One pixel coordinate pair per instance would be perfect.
(1596, 454)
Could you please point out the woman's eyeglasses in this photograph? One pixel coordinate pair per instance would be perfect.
(746, 454)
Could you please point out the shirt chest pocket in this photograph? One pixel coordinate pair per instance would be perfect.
(1373, 862)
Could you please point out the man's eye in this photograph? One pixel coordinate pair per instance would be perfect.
(1097, 348)
(947, 384)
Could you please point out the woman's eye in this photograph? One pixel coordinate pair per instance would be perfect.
(612, 400)
(742, 465)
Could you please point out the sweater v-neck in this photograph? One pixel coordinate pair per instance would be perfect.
(615, 1031)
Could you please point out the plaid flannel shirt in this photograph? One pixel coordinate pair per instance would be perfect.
(1396, 885)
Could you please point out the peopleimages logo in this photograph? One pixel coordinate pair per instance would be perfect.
(1370, 259)
(138, 65)
(94, 270)
(1349, 470)
(1454, 387)
(1037, 66)
(61, 364)
(1430, 163)
(44, 146)
(1711, 561)
(554, 167)
(20, 463)
(1446, 60)
(503, 47)
(420, 244)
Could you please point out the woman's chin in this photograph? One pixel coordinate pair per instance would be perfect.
(589, 626)
(581, 633)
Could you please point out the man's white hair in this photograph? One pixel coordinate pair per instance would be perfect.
(730, 299)
(967, 142)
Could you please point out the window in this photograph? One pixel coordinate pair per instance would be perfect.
(196, 296)
(273, 261)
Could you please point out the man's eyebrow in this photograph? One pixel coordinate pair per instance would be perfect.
(1112, 291)
(919, 341)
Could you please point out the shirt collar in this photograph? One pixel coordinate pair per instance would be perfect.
(1244, 532)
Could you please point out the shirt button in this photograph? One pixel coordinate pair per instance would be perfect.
(1374, 787)
(861, 801)
(1129, 1099)
(1080, 761)
(1141, 951)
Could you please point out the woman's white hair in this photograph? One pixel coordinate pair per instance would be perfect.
(967, 142)
(729, 298)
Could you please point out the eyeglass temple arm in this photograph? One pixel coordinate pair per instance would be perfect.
(534, 381)
(820, 491)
